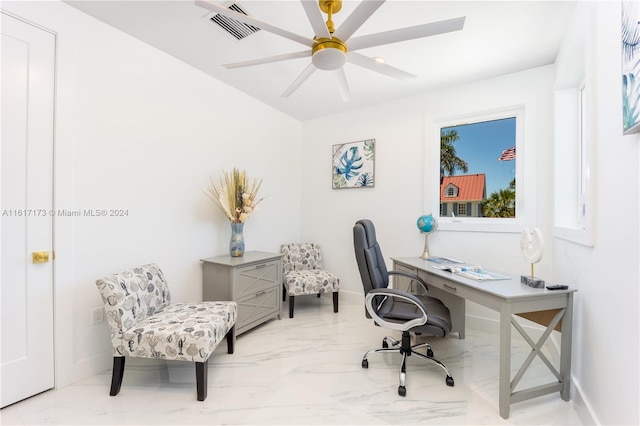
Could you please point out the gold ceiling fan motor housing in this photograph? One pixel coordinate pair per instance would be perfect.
(329, 53)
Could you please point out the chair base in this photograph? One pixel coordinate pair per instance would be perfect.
(292, 299)
(201, 370)
(405, 349)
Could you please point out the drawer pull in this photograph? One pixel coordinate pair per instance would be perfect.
(262, 265)
(449, 287)
(261, 293)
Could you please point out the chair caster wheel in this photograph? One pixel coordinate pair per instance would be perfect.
(402, 391)
(365, 363)
(385, 344)
(449, 381)
(429, 353)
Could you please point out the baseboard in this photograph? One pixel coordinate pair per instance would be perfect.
(583, 406)
(352, 297)
(91, 366)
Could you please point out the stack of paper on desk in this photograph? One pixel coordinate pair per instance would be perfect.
(470, 271)
(443, 260)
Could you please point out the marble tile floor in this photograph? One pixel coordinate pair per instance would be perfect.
(306, 371)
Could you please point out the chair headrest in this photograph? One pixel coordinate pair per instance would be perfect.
(369, 231)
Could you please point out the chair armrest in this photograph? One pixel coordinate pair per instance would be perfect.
(413, 278)
(398, 294)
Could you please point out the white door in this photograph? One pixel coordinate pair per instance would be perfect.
(26, 363)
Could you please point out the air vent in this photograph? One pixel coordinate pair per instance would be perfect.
(237, 29)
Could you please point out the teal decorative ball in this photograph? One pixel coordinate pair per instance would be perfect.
(427, 223)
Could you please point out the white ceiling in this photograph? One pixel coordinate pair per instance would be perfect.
(499, 37)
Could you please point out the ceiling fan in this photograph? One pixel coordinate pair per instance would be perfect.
(332, 47)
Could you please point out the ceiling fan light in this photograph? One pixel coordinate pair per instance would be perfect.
(329, 59)
(329, 54)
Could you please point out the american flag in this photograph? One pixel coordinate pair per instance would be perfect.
(508, 154)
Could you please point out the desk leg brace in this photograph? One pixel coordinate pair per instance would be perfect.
(507, 395)
(536, 348)
(543, 389)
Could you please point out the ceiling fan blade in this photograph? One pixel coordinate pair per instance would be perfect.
(268, 60)
(315, 18)
(298, 81)
(373, 65)
(409, 33)
(250, 20)
(365, 9)
(343, 85)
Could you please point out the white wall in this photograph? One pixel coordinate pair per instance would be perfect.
(137, 129)
(606, 320)
(398, 198)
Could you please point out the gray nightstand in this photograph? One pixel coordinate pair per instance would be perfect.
(253, 281)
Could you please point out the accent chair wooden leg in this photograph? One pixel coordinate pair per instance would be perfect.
(201, 379)
(116, 375)
(319, 294)
(231, 339)
(335, 301)
(284, 293)
(291, 299)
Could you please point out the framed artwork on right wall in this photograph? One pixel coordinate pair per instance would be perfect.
(630, 37)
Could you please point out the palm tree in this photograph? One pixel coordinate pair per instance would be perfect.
(449, 161)
(500, 204)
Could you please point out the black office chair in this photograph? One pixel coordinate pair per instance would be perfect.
(395, 309)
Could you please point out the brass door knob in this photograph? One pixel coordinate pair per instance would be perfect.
(40, 256)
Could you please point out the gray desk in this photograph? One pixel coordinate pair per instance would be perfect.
(553, 309)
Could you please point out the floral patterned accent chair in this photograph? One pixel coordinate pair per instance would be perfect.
(304, 273)
(144, 323)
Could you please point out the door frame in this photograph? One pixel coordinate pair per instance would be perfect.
(51, 182)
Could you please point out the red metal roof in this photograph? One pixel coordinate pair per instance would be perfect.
(470, 187)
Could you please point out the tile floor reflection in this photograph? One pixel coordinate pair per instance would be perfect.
(306, 371)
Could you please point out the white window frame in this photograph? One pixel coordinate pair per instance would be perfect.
(575, 192)
(524, 112)
(584, 168)
(575, 137)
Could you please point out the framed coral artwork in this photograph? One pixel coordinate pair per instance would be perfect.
(630, 67)
(353, 164)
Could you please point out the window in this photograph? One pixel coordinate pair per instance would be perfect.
(575, 141)
(573, 166)
(479, 166)
(479, 172)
